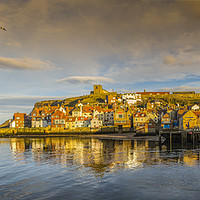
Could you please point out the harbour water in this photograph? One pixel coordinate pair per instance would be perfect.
(77, 168)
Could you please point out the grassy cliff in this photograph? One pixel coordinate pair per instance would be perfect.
(6, 124)
(71, 102)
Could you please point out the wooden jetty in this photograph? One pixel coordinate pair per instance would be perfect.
(180, 136)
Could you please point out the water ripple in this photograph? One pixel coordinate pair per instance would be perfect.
(74, 168)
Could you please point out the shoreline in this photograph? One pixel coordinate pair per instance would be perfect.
(111, 136)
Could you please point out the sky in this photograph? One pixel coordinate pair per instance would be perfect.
(54, 49)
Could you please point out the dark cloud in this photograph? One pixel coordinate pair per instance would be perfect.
(128, 41)
(100, 24)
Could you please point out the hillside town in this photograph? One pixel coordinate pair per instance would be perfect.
(140, 112)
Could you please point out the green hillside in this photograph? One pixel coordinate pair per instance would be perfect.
(6, 124)
(72, 101)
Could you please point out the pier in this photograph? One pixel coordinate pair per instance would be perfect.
(183, 137)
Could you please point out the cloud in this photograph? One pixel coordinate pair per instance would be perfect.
(169, 60)
(181, 88)
(29, 98)
(125, 91)
(24, 64)
(10, 104)
(13, 44)
(85, 80)
(100, 29)
(158, 68)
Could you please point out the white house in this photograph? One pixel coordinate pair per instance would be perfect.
(12, 124)
(131, 98)
(82, 122)
(96, 123)
(195, 107)
(41, 122)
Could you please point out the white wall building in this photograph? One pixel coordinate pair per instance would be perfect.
(131, 98)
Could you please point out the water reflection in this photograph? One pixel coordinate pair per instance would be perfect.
(101, 156)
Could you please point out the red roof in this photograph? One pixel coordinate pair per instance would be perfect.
(70, 119)
(166, 116)
(60, 114)
(82, 118)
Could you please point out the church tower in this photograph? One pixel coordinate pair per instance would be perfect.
(98, 89)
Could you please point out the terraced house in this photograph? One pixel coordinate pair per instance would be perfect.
(121, 119)
(188, 120)
(20, 120)
(95, 122)
(58, 119)
(108, 117)
(70, 122)
(82, 122)
(40, 118)
(166, 121)
(139, 120)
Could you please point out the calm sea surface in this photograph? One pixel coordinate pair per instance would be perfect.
(74, 168)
